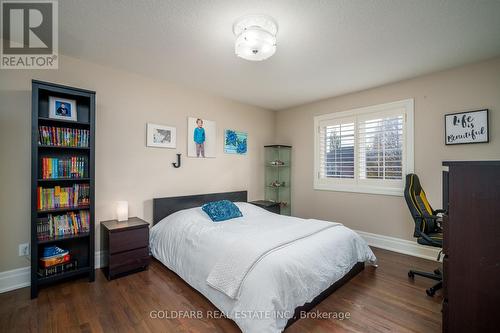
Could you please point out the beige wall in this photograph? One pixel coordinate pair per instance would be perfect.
(466, 88)
(125, 168)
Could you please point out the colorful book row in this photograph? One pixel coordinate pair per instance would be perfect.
(56, 269)
(63, 197)
(62, 225)
(67, 167)
(63, 137)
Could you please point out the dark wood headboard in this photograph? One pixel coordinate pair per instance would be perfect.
(163, 207)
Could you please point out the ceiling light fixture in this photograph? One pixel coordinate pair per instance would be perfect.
(255, 37)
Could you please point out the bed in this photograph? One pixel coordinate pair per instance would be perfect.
(261, 270)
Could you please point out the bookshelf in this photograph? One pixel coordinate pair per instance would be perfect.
(62, 182)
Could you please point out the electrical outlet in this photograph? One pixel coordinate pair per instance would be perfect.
(24, 249)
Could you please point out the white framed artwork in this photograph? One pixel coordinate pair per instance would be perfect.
(466, 127)
(161, 136)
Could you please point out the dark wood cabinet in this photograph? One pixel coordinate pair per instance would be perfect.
(471, 266)
(271, 206)
(126, 245)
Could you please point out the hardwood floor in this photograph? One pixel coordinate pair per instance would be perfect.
(378, 300)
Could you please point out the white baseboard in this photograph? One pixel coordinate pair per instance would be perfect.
(399, 245)
(99, 259)
(15, 279)
(20, 277)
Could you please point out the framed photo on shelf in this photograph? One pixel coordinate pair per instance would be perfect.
(62, 108)
(466, 127)
(161, 136)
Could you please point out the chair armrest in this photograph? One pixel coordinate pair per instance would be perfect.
(437, 219)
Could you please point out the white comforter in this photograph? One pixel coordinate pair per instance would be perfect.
(190, 244)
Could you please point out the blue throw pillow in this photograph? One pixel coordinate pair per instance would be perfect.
(221, 210)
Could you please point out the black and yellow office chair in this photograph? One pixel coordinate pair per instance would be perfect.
(427, 228)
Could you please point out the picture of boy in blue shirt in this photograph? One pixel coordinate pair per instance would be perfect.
(199, 138)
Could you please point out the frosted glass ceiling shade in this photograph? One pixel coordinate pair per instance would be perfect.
(255, 37)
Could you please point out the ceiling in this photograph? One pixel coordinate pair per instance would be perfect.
(325, 48)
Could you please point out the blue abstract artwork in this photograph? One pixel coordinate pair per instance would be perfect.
(235, 142)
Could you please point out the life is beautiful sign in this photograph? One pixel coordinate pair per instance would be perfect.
(466, 127)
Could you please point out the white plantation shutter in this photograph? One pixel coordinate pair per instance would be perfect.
(337, 149)
(367, 150)
(381, 147)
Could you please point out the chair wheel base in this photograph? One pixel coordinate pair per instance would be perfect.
(436, 276)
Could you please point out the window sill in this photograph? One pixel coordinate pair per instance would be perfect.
(399, 192)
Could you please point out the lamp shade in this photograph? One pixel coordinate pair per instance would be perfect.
(122, 210)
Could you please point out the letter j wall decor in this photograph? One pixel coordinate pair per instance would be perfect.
(466, 127)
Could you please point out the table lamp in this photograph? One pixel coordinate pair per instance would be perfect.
(122, 211)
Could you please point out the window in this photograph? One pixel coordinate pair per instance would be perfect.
(368, 150)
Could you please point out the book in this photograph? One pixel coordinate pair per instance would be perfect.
(67, 167)
(62, 225)
(56, 269)
(47, 262)
(63, 197)
(63, 137)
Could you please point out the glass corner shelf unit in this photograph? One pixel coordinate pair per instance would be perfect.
(278, 160)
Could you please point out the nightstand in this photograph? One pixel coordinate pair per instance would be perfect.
(271, 206)
(127, 246)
